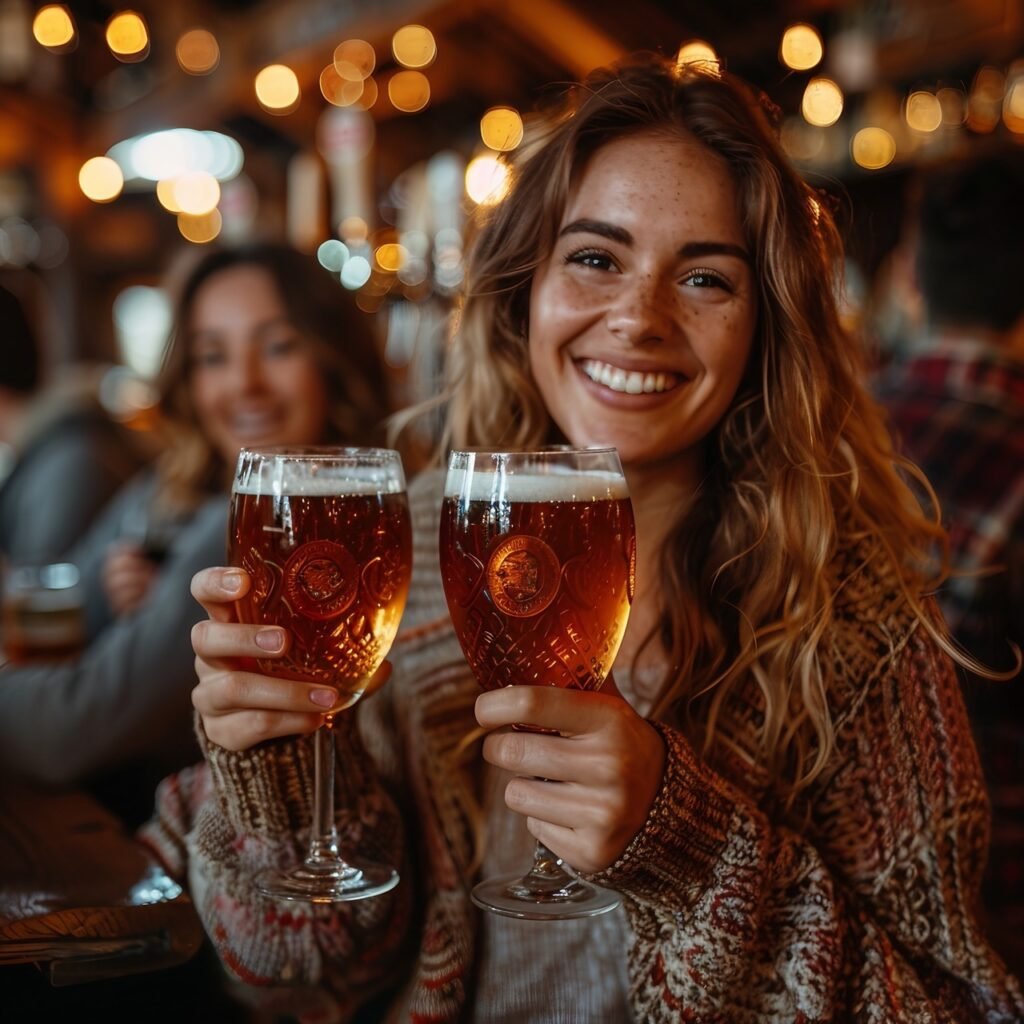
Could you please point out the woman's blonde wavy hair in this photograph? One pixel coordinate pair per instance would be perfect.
(800, 468)
(328, 321)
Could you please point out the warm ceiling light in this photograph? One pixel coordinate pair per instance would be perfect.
(487, 179)
(822, 103)
(127, 35)
(391, 257)
(699, 53)
(196, 193)
(53, 27)
(201, 228)
(197, 52)
(414, 46)
(165, 195)
(277, 89)
(501, 128)
(355, 59)
(923, 112)
(342, 92)
(409, 91)
(101, 179)
(873, 148)
(801, 47)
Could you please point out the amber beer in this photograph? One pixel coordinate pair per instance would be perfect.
(331, 568)
(539, 583)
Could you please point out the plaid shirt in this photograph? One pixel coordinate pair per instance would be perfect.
(957, 410)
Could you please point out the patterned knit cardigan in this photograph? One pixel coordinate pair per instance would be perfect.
(867, 912)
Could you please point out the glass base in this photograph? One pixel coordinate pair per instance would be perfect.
(330, 881)
(562, 900)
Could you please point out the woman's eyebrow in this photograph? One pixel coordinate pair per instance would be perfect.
(598, 227)
(690, 250)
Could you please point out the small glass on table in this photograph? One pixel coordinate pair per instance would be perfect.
(325, 537)
(538, 556)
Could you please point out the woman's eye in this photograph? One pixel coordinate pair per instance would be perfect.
(209, 357)
(591, 258)
(705, 279)
(281, 346)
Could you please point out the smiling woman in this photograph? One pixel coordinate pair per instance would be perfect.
(780, 782)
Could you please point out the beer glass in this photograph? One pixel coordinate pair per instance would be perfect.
(538, 558)
(324, 535)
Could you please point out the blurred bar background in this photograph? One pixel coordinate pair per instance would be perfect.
(363, 131)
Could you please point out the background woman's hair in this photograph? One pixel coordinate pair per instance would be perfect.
(801, 467)
(327, 319)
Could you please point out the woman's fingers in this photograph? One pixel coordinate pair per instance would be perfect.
(533, 754)
(215, 641)
(226, 693)
(218, 588)
(246, 729)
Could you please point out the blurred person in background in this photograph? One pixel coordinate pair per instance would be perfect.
(61, 455)
(265, 349)
(956, 406)
(781, 782)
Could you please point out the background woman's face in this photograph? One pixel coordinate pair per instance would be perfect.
(642, 318)
(254, 381)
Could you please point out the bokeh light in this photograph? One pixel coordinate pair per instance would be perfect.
(165, 195)
(1013, 105)
(822, 103)
(409, 91)
(100, 179)
(196, 193)
(501, 129)
(487, 179)
(356, 272)
(354, 59)
(801, 140)
(200, 228)
(414, 46)
(197, 51)
(127, 36)
(873, 148)
(277, 89)
(801, 47)
(354, 230)
(53, 26)
(953, 104)
(697, 53)
(332, 255)
(391, 257)
(923, 111)
(341, 92)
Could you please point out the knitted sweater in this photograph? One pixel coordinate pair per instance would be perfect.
(865, 913)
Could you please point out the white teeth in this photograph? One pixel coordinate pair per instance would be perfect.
(630, 382)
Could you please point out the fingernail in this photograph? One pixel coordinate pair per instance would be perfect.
(325, 698)
(231, 582)
(271, 640)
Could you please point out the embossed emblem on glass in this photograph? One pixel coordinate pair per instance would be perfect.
(522, 576)
(321, 579)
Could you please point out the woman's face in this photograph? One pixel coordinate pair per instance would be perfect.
(642, 318)
(254, 381)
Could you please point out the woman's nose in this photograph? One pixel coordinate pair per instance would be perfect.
(641, 311)
(249, 372)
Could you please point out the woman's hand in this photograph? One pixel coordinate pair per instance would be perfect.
(240, 709)
(127, 576)
(586, 792)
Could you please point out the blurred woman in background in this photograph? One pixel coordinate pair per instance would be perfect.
(266, 349)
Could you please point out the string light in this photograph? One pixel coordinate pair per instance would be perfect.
(501, 129)
(197, 51)
(801, 47)
(127, 36)
(100, 179)
(414, 46)
(873, 148)
(277, 89)
(822, 103)
(53, 27)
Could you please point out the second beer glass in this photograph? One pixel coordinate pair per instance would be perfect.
(537, 560)
(324, 535)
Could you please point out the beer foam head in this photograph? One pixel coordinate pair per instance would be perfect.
(316, 480)
(556, 485)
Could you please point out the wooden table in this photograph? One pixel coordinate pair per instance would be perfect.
(80, 896)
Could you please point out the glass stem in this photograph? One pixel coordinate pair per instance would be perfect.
(547, 867)
(323, 843)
